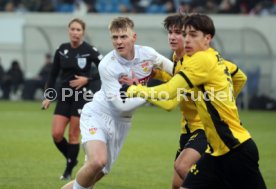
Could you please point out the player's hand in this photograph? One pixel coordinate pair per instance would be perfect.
(78, 82)
(154, 72)
(135, 80)
(129, 91)
(129, 81)
(45, 104)
(125, 80)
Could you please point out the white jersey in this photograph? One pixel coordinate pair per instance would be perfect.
(107, 100)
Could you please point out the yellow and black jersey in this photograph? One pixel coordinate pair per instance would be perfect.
(177, 64)
(161, 75)
(190, 120)
(238, 77)
(208, 77)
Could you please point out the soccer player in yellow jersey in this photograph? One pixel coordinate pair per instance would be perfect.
(233, 161)
(192, 141)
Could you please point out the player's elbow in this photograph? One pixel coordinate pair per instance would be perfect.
(169, 108)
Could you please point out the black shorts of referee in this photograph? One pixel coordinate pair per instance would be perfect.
(71, 105)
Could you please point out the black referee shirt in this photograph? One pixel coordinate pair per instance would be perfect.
(70, 61)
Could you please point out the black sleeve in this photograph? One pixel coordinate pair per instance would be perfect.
(96, 59)
(96, 56)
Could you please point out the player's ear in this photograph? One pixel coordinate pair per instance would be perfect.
(208, 38)
(134, 36)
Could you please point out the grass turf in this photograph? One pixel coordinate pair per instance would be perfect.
(29, 159)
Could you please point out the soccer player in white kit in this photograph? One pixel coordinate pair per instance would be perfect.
(105, 121)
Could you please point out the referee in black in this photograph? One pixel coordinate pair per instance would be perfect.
(72, 61)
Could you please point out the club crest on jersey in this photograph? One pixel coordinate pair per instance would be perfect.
(93, 130)
(145, 66)
(81, 62)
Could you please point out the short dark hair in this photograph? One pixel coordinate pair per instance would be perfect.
(176, 20)
(200, 22)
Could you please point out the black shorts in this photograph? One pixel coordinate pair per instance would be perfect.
(70, 106)
(195, 140)
(237, 169)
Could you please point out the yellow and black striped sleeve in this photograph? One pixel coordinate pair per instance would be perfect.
(238, 77)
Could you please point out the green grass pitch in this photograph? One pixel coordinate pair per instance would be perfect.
(29, 159)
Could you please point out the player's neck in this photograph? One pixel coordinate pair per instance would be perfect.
(76, 44)
(179, 54)
(130, 55)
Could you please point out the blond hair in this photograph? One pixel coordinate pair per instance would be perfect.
(121, 23)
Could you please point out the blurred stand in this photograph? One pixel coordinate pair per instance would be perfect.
(32, 85)
(12, 81)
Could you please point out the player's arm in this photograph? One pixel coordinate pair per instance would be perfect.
(238, 77)
(169, 90)
(96, 56)
(54, 71)
(164, 104)
(161, 61)
(111, 86)
(239, 80)
(195, 73)
(165, 64)
(167, 105)
(161, 75)
(129, 104)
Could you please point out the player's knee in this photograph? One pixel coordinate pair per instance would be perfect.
(57, 136)
(97, 163)
(73, 137)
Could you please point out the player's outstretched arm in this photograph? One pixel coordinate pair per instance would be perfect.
(169, 90)
(127, 104)
(167, 105)
(239, 80)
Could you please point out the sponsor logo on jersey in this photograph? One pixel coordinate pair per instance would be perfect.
(93, 130)
(145, 66)
(64, 54)
(81, 62)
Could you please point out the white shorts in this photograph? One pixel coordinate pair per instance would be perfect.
(103, 127)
